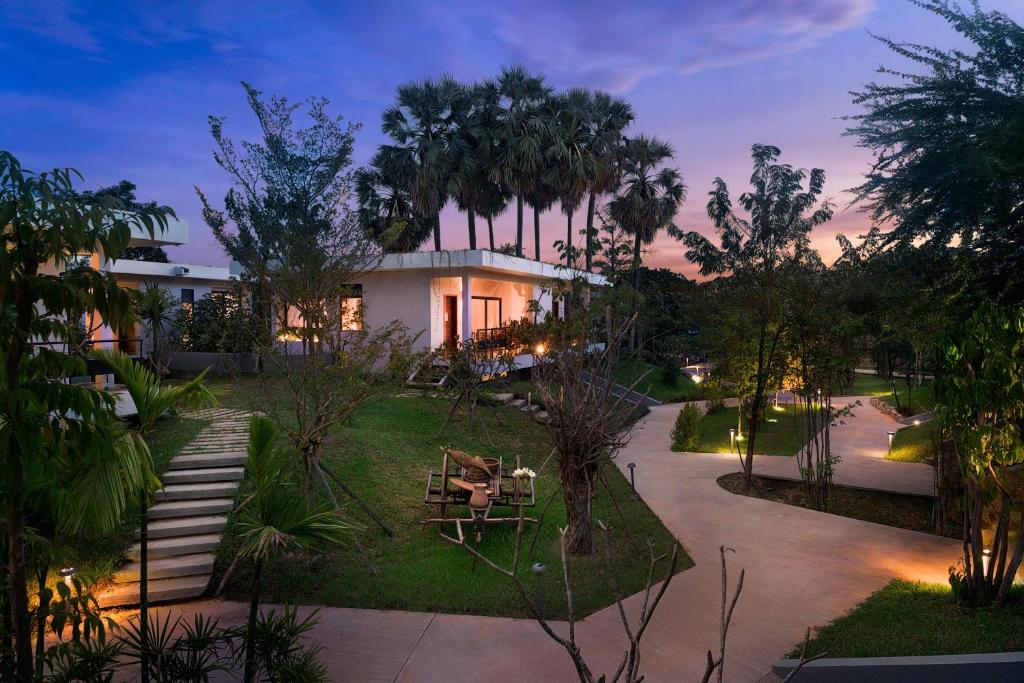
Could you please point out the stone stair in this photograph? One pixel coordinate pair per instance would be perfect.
(188, 515)
(521, 404)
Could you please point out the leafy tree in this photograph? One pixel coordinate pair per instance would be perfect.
(650, 194)
(46, 424)
(981, 406)
(609, 117)
(150, 254)
(422, 125)
(522, 135)
(757, 254)
(949, 145)
(216, 323)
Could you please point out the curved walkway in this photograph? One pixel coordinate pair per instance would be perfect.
(803, 568)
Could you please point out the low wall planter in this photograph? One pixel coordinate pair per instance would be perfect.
(1006, 666)
(887, 409)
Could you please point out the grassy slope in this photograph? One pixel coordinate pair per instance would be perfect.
(913, 444)
(922, 398)
(384, 454)
(779, 435)
(629, 370)
(98, 556)
(906, 618)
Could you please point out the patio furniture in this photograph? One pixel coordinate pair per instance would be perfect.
(479, 485)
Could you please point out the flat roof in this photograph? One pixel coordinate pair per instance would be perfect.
(483, 259)
(178, 271)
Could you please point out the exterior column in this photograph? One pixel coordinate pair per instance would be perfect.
(467, 308)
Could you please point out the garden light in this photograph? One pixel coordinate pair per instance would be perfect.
(632, 477)
(732, 438)
(538, 570)
(986, 557)
(539, 349)
(891, 435)
(67, 573)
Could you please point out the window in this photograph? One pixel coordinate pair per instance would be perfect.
(554, 309)
(486, 312)
(351, 310)
(188, 297)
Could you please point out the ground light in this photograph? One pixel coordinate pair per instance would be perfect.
(538, 570)
(67, 573)
(891, 435)
(632, 477)
(732, 438)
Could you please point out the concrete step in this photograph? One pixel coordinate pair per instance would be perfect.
(190, 508)
(186, 526)
(504, 398)
(204, 474)
(219, 489)
(161, 590)
(517, 402)
(541, 416)
(212, 459)
(168, 568)
(178, 545)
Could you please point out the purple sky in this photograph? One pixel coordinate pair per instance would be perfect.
(124, 91)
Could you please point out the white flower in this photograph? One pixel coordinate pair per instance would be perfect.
(524, 473)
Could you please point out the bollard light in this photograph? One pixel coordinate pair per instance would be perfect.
(632, 477)
(732, 438)
(66, 573)
(538, 570)
(986, 558)
(891, 435)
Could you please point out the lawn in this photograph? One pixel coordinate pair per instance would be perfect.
(914, 444)
(384, 454)
(653, 383)
(97, 557)
(921, 399)
(907, 618)
(780, 434)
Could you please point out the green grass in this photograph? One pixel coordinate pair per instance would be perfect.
(780, 434)
(914, 444)
(384, 454)
(921, 399)
(907, 618)
(96, 557)
(630, 369)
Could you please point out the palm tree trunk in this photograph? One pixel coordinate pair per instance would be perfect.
(519, 225)
(636, 262)
(590, 229)
(536, 232)
(437, 232)
(42, 613)
(472, 227)
(250, 631)
(568, 239)
(490, 230)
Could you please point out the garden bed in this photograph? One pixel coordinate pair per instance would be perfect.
(881, 507)
(384, 454)
(780, 434)
(914, 444)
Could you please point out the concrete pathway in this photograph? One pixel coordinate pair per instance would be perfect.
(803, 568)
(188, 514)
(861, 442)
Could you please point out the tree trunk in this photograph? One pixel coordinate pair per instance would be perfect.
(437, 232)
(519, 225)
(471, 214)
(19, 581)
(636, 262)
(536, 232)
(490, 230)
(590, 229)
(577, 488)
(250, 631)
(144, 586)
(41, 614)
(568, 239)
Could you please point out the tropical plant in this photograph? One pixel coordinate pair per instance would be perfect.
(179, 650)
(155, 306)
(980, 395)
(570, 162)
(472, 151)
(387, 212)
(281, 656)
(650, 193)
(523, 139)
(48, 425)
(685, 436)
(757, 254)
(422, 126)
(609, 117)
(152, 398)
(273, 519)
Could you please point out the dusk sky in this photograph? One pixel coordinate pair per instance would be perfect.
(124, 91)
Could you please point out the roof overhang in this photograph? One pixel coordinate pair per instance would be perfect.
(483, 259)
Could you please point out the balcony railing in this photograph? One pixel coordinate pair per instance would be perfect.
(491, 341)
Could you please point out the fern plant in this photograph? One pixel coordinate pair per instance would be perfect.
(152, 398)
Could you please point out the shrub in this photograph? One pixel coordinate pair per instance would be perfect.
(670, 372)
(684, 434)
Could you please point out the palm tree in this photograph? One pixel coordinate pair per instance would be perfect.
(650, 193)
(521, 152)
(273, 519)
(609, 118)
(154, 305)
(570, 164)
(386, 210)
(151, 398)
(422, 124)
(473, 150)
(494, 200)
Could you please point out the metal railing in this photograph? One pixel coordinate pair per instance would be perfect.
(489, 342)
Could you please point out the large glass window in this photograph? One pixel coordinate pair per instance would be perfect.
(486, 312)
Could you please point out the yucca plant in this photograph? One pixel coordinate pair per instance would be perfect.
(153, 399)
(274, 520)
